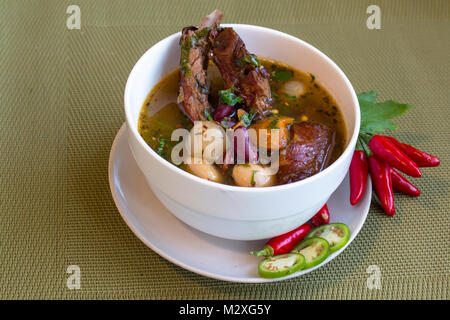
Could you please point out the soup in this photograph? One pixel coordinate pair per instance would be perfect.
(236, 91)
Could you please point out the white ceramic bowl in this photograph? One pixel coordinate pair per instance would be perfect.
(236, 212)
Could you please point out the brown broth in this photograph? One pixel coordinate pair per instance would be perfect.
(315, 105)
(160, 114)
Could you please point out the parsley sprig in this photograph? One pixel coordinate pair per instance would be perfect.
(377, 117)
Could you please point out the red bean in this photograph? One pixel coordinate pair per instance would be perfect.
(222, 112)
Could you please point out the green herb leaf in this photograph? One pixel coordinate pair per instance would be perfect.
(290, 97)
(273, 124)
(281, 75)
(248, 117)
(199, 35)
(369, 96)
(162, 143)
(228, 97)
(313, 77)
(185, 59)
(202, 33)
(248, 59)
(253, 183)
(208, 114)
(187, 45)
(376, 117)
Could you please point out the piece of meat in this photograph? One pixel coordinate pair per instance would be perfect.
(255, 90)
(195, 50)
(227, 47)
(307, 153)
(252, 82)
(212, 20)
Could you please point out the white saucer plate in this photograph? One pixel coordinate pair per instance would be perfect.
(213, 257)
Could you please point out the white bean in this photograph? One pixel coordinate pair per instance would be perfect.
(206, 171)
(253, 175)
(212, 139)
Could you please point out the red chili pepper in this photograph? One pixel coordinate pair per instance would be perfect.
(358, 176)
(422, 159)
(400, 183)
(380, 173)
(284, 243)
(321, 217)
(387, 151)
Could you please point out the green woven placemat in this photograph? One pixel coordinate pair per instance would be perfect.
(61, 105)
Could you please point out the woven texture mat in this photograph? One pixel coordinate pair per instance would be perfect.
(61, 103)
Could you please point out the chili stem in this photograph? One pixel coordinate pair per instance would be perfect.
(364, 146)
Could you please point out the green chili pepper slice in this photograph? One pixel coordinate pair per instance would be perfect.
(337, 235)
(281, 265)
(315, 251)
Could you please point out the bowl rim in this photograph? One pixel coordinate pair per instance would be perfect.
(225, 187)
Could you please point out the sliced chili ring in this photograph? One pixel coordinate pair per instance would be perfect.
(315, 251)
(337, 235)
(281, 265)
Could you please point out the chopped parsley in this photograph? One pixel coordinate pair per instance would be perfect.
(162, 143)
(313, 77)
(208, 114)
(198, 35)
(290, 97)
(228, 97)
(281, 75)
(248, 59)
(273, 124)
(201, 33)
(185, 59)
(188, 45)
(248, 117)
(252, 182)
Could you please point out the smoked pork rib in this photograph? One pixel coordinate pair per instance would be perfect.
(241, 70)
(195, 52)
